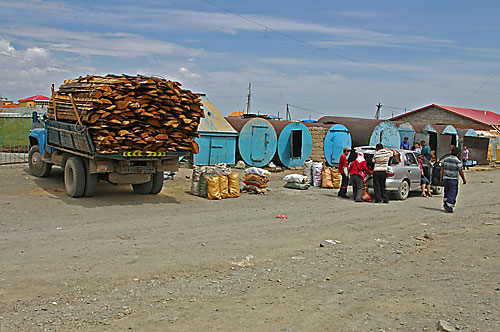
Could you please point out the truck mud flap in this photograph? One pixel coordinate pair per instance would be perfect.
(118, 178)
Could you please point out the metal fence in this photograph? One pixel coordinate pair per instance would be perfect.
(14, 137)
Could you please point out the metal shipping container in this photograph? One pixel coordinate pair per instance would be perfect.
(257, 140)
(294, 143)
(217, 141)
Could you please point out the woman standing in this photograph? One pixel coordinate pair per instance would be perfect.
(424, 181)
(465, 157)
(357, 170)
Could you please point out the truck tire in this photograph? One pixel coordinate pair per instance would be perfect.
(143, 188)
(157, 183)
(74, 177)
(403, 190)
(91, 181)
(38, 167)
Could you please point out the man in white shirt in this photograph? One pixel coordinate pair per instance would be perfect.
(381, 163)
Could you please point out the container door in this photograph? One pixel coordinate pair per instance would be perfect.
(478, 149)
(338, 140)
(259, 143)
(421, 137)
(296, 144)
(407, 133)
(443, 145)
(217, 150)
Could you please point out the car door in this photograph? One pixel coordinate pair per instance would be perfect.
(412, 170)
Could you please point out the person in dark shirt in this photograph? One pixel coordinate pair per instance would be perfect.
(343, 165)
(426, 150)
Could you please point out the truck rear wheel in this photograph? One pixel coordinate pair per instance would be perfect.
(143, 188)
(74, 177)
(38, 167)
(91, 181)
(157, 183)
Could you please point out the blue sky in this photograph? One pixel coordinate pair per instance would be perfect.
(323, 57)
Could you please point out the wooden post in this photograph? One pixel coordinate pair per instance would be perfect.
(76, 110)
(54, 102)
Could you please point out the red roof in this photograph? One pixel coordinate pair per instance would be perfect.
(482, 116)
(36, 98)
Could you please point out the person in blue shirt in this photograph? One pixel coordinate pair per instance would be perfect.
(405, 145)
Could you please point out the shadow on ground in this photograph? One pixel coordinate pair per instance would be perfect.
(107, 194)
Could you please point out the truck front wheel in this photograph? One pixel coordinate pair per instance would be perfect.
(143, 188)
(74, 177)
(37, 166)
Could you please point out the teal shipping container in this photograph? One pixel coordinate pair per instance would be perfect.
(217, 141)
(257, 140)
(294, 143)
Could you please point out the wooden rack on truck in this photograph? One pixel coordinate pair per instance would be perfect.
(123, 129)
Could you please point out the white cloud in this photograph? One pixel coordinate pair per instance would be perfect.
(361, 14)
(31, 71)
(186, 73)
(6, 47)
(36, 52)
(91, 43)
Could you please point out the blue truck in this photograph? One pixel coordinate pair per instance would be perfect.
(71, 147)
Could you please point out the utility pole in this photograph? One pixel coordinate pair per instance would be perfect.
(377, 114)
(288, 116)
(249, 96)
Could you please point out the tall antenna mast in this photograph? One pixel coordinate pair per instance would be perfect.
(377, 114)
(249, 96)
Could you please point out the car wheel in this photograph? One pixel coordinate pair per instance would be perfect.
(437, 190)
(403, 190)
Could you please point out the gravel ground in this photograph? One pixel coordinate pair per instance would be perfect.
(175, 262)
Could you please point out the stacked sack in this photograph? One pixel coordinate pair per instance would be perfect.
(255, 180)
(330, 178)
(317, 168)
(307, 170)
(215, 182)
(296, 181)
(312, 171)
(223, 186)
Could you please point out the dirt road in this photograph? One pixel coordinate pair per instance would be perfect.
(175, 262)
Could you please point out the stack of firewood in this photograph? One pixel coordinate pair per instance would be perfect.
(130, 113)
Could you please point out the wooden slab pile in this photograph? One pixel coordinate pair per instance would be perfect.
(130, 113)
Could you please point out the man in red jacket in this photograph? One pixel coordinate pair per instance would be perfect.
(344, 172)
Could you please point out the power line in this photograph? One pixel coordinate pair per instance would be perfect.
(340, 55)
(394, 108)
(282, 101)
(481, 86)
(306, 109)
